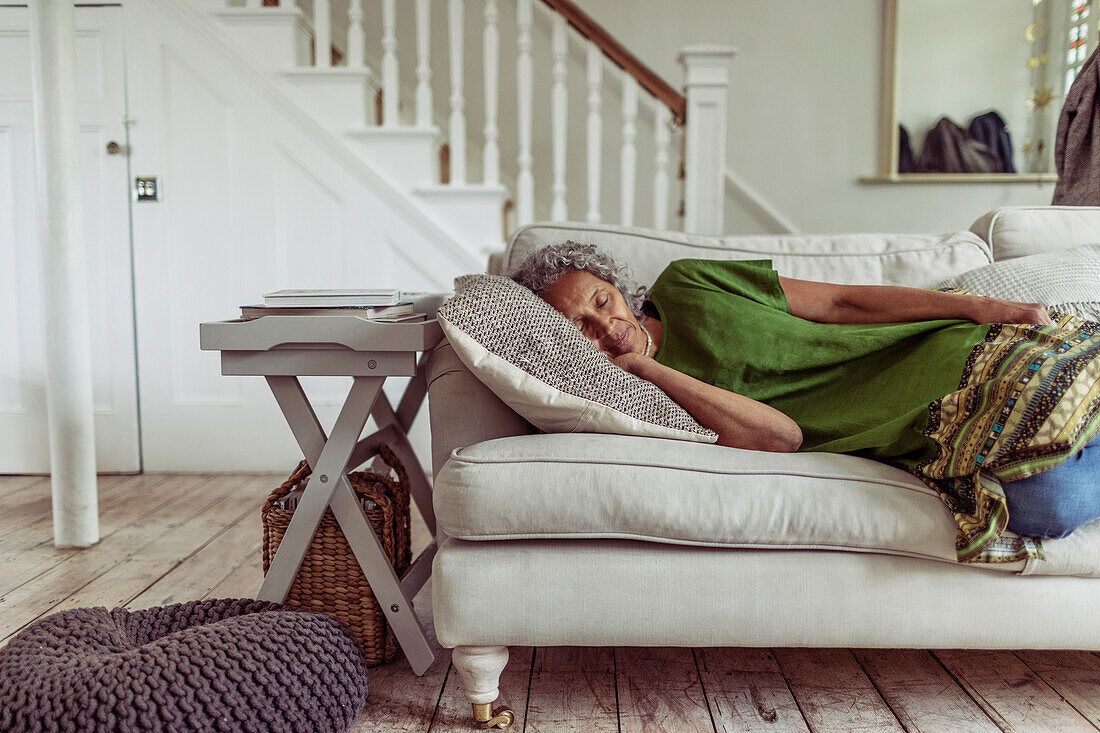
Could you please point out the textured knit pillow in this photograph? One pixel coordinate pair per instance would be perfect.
(541, 366)
(1066, 281)
(227, 664)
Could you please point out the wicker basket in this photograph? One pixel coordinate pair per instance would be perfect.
(330, 579)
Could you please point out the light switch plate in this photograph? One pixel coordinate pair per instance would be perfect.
(146, 189)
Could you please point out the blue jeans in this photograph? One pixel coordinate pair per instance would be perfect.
(1054, 503)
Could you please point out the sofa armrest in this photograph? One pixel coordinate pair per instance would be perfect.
(464, 411)
(495, 265)
(1018, 231)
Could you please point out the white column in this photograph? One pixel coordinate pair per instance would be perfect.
(423, 66)
(491, 41)
(707, 80)
(595, 131)
(65, 299)
(628, 161)
(456, 25)
(357, 42)
(322, 33)
(660, 179)
(559, 115)
(525, 182)
(391, 94)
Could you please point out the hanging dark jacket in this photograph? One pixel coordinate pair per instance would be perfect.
(989, 129)
(905, 152)
(1077, 143)
(948, 149)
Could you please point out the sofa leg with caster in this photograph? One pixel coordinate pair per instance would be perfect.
(479, 669)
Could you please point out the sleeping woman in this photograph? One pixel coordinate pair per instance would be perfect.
(995, 404)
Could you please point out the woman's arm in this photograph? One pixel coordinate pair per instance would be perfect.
(740, 422)
(829, 303)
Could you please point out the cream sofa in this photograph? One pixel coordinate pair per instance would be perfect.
(593, 540)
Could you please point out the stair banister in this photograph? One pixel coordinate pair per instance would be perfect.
(700, 114)
(620, 56)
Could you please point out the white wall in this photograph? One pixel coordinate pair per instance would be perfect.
(255, 197)
(962, 58)
(804, 110)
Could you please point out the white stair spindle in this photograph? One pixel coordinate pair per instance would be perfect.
(456, 26)
(390, 92)
(322, 33)
(628, 164)
(491, 43)
(357, 40)
(595, 131)
(423, 66)
(559, 106)
(253, 3)
(525, 182)
(660, 179)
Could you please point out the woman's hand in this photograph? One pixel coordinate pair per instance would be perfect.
(992, 310)
(630, 361)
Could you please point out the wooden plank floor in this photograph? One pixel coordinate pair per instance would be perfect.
(176, 537)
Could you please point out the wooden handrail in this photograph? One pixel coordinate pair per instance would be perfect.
(624, 59)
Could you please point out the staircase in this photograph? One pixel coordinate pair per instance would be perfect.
(449, 103)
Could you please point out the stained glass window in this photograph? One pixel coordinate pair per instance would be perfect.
(1077, 39)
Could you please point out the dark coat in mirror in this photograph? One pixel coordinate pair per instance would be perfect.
(949, 149)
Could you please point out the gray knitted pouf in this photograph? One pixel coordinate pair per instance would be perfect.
(217, 665)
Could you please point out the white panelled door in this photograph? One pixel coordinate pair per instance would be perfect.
(24, 444)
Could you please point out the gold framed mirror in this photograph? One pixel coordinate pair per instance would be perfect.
(977, 87)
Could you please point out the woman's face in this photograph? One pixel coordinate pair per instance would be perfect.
(597, 308)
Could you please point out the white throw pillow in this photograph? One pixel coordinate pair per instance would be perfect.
(1066, 281)
(541, 366)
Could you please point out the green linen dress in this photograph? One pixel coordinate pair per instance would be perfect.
(962, 405)
(852, 387)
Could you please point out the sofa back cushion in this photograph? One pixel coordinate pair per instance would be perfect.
(918, 260)
(1018, 231)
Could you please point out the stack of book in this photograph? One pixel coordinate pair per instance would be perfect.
(385, 305)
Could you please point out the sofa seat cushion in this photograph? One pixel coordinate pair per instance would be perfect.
(574, 486)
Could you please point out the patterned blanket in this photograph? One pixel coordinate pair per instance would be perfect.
(1028, 399)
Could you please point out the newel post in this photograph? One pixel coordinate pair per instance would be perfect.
(706, 69)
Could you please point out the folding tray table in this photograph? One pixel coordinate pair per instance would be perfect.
(282, 348)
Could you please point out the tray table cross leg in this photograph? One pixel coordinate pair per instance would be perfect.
(384, 416)
(328, 458)
(365, 546)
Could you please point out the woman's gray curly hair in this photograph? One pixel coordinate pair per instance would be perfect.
(544, 266)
